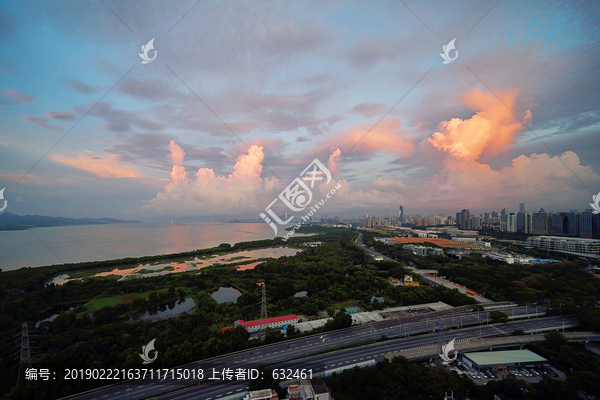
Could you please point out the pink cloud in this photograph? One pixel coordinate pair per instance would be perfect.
(491, 129)
(177, 153)
(333, 158)
(102, 167)
(209, 194)
(387, 137)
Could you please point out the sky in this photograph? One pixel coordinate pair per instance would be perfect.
(242, 96)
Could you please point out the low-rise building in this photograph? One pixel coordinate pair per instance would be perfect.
(565, 244)
(423, 250)
(309, 389)
(471, 240)
(499, 360)
(274, 323)
(263, 394)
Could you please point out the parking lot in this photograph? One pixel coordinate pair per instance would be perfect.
(529, 374)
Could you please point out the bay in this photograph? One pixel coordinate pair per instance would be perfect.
(82, 243)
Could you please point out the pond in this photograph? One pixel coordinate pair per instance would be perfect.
(52, 317)
(246, 267)
(164, 311)
(225, 294)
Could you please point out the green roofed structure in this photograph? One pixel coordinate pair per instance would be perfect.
(502, 359)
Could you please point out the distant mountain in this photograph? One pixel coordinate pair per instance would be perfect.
(10, 221)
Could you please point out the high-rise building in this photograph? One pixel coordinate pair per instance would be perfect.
(560, 224)
(586, 223)
(511, 222)
(542, 223)
(595, 226)
(465, 217)
(401, 213)
(524, 222)
(487, 218)
(521, 207)
(504, 214)
(574, 222)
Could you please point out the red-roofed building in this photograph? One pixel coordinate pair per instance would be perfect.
(273, 323)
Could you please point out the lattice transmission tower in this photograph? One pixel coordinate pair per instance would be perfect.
(262, 333)
(25, 362)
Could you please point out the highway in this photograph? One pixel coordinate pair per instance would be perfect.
(404, 329)
(375, 352)
(287, 350)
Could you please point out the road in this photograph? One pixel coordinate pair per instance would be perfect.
(480, 299)
(406, 328)
(375, 352)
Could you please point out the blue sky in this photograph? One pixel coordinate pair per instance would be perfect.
(514, 119)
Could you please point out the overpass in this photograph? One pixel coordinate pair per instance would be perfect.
(489, 344)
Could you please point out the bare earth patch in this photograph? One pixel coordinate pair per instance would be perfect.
(127, 298)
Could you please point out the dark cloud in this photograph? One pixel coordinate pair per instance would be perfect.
(151, 89)
(369, 110)
(152, 150)
(60, 115)
(289, 38)
(43, 122)
(78, 86)
(119, 120)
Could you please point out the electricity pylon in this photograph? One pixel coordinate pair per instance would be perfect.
(25, 362)
(262, 333)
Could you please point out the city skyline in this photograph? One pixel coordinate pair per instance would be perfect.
(239, 99)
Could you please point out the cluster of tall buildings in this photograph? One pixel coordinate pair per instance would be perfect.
(572, 223)
(402, 218)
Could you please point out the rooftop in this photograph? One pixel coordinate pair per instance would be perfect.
(504, 357)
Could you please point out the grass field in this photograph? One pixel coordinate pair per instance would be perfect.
(99, 302)
(346, 304)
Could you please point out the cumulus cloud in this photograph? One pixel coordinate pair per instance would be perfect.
(492, 128)
(177, 153)
(209, 194)
(479, 187)
(333, 159)
(103, 167)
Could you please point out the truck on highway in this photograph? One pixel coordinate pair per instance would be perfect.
(470, 293)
